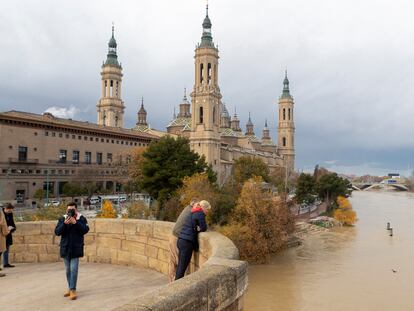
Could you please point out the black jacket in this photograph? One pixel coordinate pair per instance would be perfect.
(10, 222)
(71, 242)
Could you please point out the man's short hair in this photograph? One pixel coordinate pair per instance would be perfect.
(205, 204)
(72, 204)
(9, 206)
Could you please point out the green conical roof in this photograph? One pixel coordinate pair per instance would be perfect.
(207, 38)
(286, 91)
(112, 57)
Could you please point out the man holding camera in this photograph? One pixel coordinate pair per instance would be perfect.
(71, 227)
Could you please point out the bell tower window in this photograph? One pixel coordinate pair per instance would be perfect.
(116, 120)
(201, 73)
(214, 115)
(208, 73)
(284, 141)
(201, 114)
(289, 114)
(284, 114)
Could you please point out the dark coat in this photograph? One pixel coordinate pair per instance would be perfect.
(194, 223)
(10, 222)
(71, 242)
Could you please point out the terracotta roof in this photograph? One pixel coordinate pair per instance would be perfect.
(49, 119)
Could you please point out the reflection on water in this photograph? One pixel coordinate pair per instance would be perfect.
(346, 268)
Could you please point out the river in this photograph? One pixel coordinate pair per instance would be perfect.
(348, 268)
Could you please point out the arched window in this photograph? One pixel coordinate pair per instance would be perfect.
(289, 114)
(284, 141)
(201, 73)
(201, 114)
(104, 120)
(116, 120)
(284, 114)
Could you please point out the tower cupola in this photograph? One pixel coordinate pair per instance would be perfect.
(286, 91)
(112, 57)
(225, 117)
(142, 114)
(185, 107)
(249, 127)
(207, 38)
(235, 123)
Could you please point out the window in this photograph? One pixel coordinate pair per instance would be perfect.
(116, 120)
(91, 138)
(88, 157)
(201, 73)
(284, 114)
(109, 158)
(75, 157)
(67, 135)
(284, 142)
(46, 133)
(62, 156)
(60, 134)
(289, 114)
(22, 154)
(97, 139)
(35, 133)
(102, 140)
(85, 138)
(99, 157)
(73, 136)
(79, 137)
(201, 114)
(208, 73)
(53, 134)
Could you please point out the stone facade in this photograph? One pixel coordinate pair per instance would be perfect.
(218, 281)
(37, 149)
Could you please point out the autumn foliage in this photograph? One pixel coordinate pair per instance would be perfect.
(260, 223)
(108, 211)
(344, 213)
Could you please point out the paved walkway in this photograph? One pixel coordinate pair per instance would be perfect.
(101, 287)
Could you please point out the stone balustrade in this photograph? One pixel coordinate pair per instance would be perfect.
(218, 281)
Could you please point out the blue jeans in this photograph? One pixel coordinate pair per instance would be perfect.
(6, 256)
(71, 265)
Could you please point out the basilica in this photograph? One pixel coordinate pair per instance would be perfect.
(205, 121)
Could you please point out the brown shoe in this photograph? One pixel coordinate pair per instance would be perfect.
(66, 294)
(2, 274)
(72, 295)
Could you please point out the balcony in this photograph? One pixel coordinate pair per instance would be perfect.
(23, 161)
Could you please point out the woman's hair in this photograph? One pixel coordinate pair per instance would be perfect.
(205, 204)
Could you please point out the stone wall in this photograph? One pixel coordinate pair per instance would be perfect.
(218, 282)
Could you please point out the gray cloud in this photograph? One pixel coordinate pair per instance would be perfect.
(350, 66)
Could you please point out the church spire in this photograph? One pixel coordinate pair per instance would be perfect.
(286, 91)
(142, 114)
(207, 38)
(249, 127)
(112, 57)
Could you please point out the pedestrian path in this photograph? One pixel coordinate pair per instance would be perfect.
(40, 287)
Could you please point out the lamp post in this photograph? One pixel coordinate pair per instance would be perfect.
(47, 187)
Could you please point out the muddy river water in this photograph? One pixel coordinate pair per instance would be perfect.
(346, 268)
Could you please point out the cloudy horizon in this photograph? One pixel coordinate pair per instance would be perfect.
(349, 65)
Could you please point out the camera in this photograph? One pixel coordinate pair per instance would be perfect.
(71, 213)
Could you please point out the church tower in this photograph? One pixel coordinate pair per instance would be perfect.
(249, 127)
(142, 115)
(206, 100)
(111, 107)
(286, 128)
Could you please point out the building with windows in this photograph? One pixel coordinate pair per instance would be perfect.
(45, 152)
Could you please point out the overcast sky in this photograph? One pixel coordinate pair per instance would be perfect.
(350, 66)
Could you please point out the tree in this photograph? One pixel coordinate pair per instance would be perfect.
(246, 167)
(344, 213)
(330, 186)
(260, 223)
(305, 189)
(135, 166)
(72, 190)
(166, 162)
(40, 194)
(107, 211)
(138, 210)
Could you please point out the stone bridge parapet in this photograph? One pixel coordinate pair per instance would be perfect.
(218, 280)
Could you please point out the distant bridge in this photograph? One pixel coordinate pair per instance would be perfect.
(371, 186)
